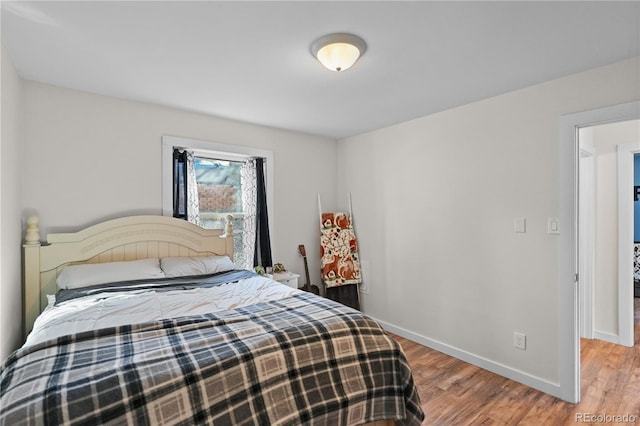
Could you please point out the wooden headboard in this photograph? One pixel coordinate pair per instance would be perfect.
(127, 238)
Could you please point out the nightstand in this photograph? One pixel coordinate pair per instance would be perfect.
(287, 278)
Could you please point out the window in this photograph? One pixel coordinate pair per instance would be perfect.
(220, 194)
(217, 174)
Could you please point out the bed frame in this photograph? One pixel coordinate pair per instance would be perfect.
(127, 238)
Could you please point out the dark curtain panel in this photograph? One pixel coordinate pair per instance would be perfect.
(262, 254)
(180, 184)
(345, 294)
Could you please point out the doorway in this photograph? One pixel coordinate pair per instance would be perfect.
(568, 254)
(605, 230)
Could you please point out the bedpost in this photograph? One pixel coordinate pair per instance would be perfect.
(31, 253)
(228, 235)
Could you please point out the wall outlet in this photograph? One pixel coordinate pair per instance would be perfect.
(520, 340)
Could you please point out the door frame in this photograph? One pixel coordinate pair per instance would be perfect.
(567, 275)
(586, 237)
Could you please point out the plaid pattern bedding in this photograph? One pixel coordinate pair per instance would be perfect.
(300, 360)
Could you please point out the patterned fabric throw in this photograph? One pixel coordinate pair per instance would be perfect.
(299, 360)
(339, 251)
(636, 262)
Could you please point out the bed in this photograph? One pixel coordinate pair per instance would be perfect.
(174, 333)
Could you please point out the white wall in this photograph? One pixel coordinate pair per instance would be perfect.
(11, 161)
(434, 200)
(94, 157)
(606, 138)
(434, 204)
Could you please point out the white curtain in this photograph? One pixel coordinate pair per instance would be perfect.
(249, 197)
(193, 205)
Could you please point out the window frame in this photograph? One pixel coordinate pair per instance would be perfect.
(202, 148)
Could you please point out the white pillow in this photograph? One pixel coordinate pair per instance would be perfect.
(185, 266)
(78, 276)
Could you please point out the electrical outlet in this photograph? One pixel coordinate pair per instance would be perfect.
(520, 340)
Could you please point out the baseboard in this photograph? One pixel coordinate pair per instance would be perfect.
(495, 367)
(607, 337)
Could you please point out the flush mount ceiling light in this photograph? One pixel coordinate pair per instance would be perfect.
(338, 51)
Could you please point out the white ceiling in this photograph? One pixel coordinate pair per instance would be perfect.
(250, 61)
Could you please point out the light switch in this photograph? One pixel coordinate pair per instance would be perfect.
(520, 225)
(553, 225)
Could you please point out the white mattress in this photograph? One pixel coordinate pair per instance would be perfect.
(111, 309)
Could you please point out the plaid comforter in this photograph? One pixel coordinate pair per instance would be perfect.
(300, 360)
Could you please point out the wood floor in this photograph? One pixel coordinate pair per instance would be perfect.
(453, 392)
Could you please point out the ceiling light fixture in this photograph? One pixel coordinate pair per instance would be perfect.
(338, 51)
